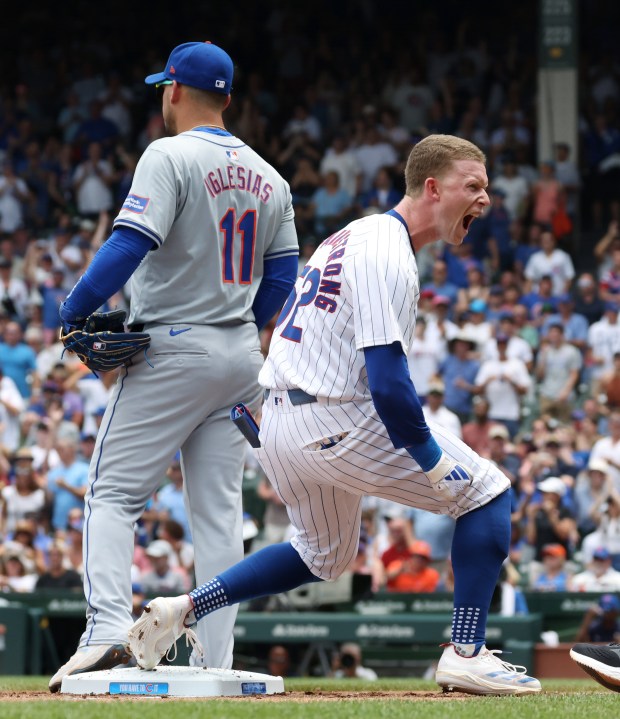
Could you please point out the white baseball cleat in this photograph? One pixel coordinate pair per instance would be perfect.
(485, 673)
(161, 624)
(91, 659)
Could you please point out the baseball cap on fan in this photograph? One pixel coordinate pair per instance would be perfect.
(553, 485)
(197, 64)
(159, 548)
(609, 603)
(553, 550)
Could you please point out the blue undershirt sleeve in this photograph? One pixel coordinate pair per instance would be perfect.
(116, 260)
(398, 404)
(278, 280)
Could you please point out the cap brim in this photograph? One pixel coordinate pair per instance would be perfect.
(154, 79)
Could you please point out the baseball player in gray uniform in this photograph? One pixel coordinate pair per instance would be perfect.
(207, 236)
(341, 419)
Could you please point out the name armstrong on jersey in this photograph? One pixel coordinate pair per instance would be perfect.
(332, 269)
(238, 178)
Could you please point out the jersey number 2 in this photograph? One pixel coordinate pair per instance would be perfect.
(246, 227)
(311, 277)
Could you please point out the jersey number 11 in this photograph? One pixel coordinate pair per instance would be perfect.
(246, 228)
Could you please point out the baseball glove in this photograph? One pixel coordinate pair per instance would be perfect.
(101, 343)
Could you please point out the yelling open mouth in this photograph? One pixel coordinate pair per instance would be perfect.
(467, 220)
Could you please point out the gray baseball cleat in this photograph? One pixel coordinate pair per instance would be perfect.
(91, 659)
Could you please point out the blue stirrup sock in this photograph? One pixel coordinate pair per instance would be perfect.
(479, 547)
(274, 569)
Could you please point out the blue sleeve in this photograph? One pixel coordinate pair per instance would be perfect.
(521, 603)
(32, 361)
(473, 371)
(114, 263)
(278, 280)
(581, 330)
(398, 404)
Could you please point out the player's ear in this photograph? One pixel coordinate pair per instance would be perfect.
(175, 92)
(431, 188)
(227, 103)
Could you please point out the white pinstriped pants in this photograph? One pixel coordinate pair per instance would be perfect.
(323, 488)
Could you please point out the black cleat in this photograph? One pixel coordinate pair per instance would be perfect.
(602, 663)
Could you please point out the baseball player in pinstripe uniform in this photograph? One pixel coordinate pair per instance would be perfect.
(341, 419)
(207, 232)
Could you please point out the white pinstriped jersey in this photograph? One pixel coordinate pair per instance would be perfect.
(214, 209)
(359, 289)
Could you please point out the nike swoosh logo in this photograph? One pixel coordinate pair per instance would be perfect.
(174, 333)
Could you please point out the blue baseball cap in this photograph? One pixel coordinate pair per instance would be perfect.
(609, 603)
(197, 64)
(601, 553)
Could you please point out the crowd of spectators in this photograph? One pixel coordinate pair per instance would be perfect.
(517, 346)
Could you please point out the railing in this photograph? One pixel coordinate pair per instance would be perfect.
(35, 622)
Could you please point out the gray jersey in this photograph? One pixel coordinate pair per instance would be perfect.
(213, 185)
(214, 210)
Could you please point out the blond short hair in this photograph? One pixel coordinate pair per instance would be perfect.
(433, 157)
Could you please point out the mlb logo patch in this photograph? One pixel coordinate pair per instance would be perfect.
(137, 204)
(232, 155)
(220, 83)
(98, 345)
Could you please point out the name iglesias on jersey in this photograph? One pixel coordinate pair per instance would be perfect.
(238, 177)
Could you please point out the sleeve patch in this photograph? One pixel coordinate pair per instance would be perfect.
(137, 204)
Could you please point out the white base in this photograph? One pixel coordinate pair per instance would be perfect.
(173, 681)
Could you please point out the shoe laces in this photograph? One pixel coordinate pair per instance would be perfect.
(490, 655)
(191, 640)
